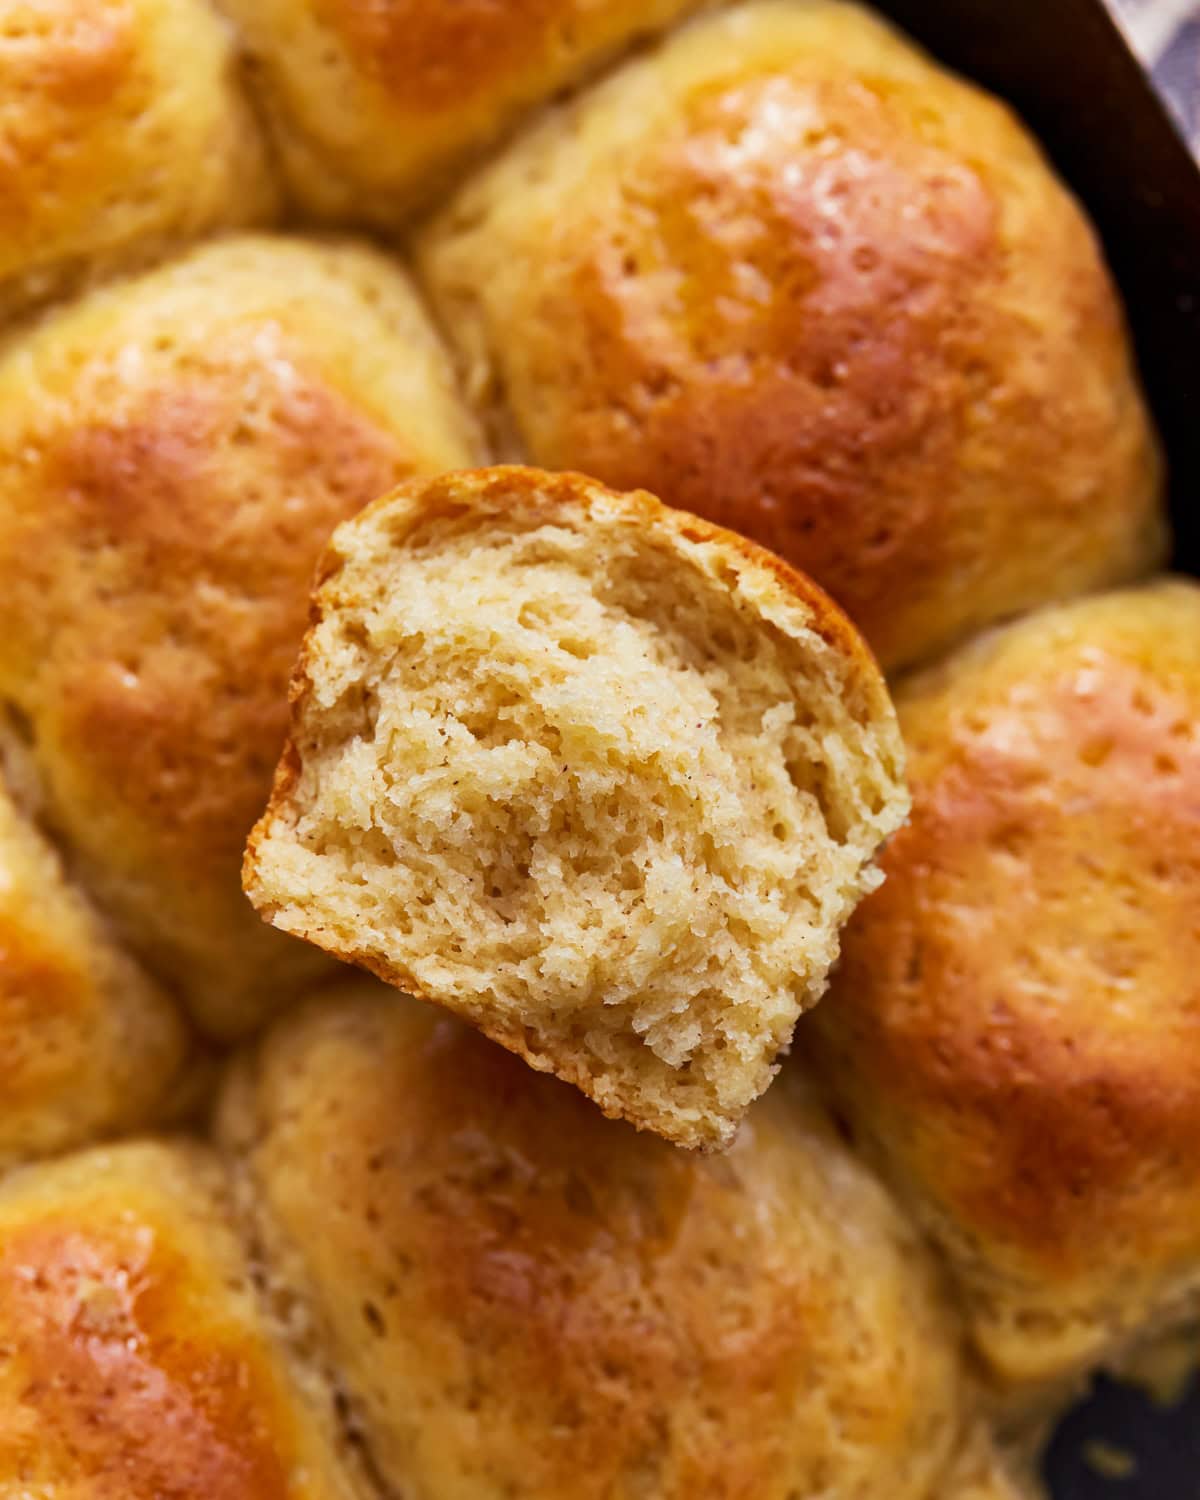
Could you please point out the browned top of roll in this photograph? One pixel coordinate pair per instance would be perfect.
(136, 1363)
(521, 1294)
(789, 274)
(174, 453)
(1016, 1023)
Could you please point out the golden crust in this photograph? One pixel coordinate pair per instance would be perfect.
(764, 274)
(431, 59)
(375, 107)
(122, 135)
(1015, 1022)
(519, 1292)
(88, 1045)
(136, 1362)
(176, 451)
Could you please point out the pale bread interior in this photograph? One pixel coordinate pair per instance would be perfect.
(601, 787)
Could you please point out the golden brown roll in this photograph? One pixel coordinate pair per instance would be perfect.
(122, 133)
(525, 1298)
(89, 1046)
(788, 274)
(174, 452)
(602, 779)
(135, 1360)
(1015, 1027)
(374, 107)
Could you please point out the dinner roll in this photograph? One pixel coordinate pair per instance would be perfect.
(600, 777)
(174, 452)
(135, 1360)
(790, 275)
(122, 132)
(524, 1298)
(374, 107)
(88, 1045)
(1015, 1026)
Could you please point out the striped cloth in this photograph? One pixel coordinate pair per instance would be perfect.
(1166, 33)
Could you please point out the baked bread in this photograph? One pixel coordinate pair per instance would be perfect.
(599, 777)
(135, 1359)
(1013, 1029)
(174, 453)
(787, 273)
(375, 107)
(89, 1046)
(523, 1298)
(780, 267)
(123, 134)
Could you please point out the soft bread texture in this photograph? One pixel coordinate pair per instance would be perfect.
(135, 1360)
(123, 134)
(1015, 1025)
(89, 1046)
(787, 273)
(175, 451)
(375, 107)
(599, 777)
(524, 1298)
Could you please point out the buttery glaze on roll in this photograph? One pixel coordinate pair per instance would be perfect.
(123, 134)
(787, 273)
(174, 452)
(89, 1045)
(1015, 1026)
(136, 1360)
(375, 107)
(525, 1298)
